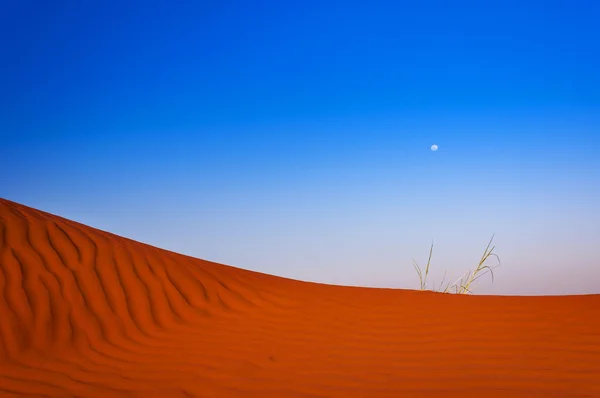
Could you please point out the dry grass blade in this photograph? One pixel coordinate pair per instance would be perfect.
(423, 279)
(480, 267)
(442, 283)
(428, 263)
(416, 266)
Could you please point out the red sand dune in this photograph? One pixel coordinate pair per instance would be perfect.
(90, 314)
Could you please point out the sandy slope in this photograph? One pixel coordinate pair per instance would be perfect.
(90, 314)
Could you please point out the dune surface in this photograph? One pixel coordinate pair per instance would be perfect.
(86, 313)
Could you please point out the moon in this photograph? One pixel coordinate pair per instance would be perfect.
(434, 147)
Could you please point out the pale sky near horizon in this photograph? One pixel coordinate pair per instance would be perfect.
(296, 140)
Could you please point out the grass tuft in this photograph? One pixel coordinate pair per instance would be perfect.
(463, 284)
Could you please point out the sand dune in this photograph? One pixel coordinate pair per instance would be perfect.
(90, 314)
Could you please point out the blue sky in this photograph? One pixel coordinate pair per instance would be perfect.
(294, 139)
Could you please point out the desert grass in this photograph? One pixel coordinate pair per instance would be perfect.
(463, 284)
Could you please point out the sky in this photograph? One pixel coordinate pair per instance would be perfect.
(293, 138)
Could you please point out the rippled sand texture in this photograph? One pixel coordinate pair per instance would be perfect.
(90, 314)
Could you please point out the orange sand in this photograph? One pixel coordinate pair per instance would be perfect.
(90, 314)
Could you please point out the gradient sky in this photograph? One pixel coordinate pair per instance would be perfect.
(293, 138)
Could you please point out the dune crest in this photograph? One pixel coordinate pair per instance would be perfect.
(87, 313)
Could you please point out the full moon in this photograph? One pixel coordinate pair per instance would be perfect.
(434, 147)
